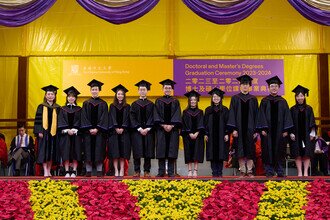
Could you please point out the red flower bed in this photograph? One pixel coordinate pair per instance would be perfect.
(238, 200)
(14, 200)
(318, 200)
(107, 200)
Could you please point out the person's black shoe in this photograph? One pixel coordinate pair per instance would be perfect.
(88, 174)
(160, 175)
(269, 175)
(280, 175)
(99, 173)
(17, 173)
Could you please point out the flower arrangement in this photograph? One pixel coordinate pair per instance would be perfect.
(14, 197)
(318, 200)
(107, 200)
(283, 200)
(233, 200)
(55, 200)
(162, 199)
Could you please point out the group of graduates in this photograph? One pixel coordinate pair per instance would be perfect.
(151, 130)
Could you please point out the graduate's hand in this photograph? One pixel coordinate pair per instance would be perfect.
(235, 133)
(170, 127)
(312, 137)
(70, 132)
(144, 132)
(285, 134)
(293, 137)
(226, 138)
(118, 130)
(192, 136)
(255, 135)
(40, 135)
(206, 138)
(328, 142)
(196, 134)
(264, 133)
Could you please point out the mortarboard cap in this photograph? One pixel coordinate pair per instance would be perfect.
(72, 90)
(274, 80)
(94, 83)
(119, 87)
(143, 83)
(300, 89)
(245, 79)
(217, 91)
(192, 93)
(50, 88)
(168, 82)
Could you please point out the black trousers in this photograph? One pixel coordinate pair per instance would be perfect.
(170, 168)
(146, 165)
(216, 166)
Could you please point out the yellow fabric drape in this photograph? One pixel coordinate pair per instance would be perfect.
(45, 120)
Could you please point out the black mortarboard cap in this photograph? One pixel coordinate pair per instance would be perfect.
(245, 79)
(50, 88)
(119, 87)
(300, 89)
(168, 82)
(192, 93)
(71, 90)
(274, 80)
(217, 91)
(143, 83)
(94, 83)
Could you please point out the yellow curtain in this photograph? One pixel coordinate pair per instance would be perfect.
(8, 94)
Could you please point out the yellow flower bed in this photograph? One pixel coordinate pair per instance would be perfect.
(283, 200)
(55, 200)
(163, 199)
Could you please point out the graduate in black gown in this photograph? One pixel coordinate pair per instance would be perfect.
(70, 143)
(119, 130)
(303, 133)
(45, 127)
(216, 132)
(142, 122)
(193, 133)
(94, 124)
(167, 118)
(242, 122)
(274, 121)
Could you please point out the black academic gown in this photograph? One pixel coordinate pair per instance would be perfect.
(215, 120)
(304, 122)
(167, 111)
(119, 145)
(142, 116)
(94, 114)
(192, 122)
(242, 118)
(47, 150)
(274, 117)
(70, 145)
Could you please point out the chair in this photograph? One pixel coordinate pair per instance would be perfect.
(291, 160)
(25, 161)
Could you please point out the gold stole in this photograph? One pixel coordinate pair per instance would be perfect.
(45, 120)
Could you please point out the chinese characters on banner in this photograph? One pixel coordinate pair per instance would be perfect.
(204, 75)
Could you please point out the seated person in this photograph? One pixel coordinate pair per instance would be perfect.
(3, 150)
(21, 147)
(320, 158)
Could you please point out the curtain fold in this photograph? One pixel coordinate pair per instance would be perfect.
(121, 14)
(313, 10)
(18, 13)
(223, 12)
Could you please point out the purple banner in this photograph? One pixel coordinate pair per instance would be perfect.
(204, 75)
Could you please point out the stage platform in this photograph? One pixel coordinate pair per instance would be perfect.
(204, 178)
